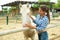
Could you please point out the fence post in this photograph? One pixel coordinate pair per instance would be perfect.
(7, 20)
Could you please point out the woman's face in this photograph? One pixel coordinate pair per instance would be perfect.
(41, 12)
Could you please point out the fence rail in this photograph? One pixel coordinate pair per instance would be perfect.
(6, 32)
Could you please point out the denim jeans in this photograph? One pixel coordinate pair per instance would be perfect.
(43, 36)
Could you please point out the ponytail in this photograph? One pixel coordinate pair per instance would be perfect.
(46, 9)
(48, 15)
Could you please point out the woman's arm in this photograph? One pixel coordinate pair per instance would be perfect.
(30, 26)
(42, 24)
(33, 18)
(34, 27)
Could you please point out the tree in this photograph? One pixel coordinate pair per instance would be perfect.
(35, 5)
(58, 3)
(44, 0)
(5, 11)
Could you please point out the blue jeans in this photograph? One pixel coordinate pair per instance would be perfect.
(43, 36)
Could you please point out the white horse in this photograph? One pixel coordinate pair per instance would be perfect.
(30, 33)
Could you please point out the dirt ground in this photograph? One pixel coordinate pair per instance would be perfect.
(54, 33)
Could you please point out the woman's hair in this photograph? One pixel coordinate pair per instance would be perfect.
(46, 9)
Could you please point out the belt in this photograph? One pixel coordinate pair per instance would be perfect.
(41, 31)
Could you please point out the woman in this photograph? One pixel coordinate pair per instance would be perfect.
(41, 21)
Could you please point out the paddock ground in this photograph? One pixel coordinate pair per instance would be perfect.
(54, 33)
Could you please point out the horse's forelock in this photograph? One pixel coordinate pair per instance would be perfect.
(25, 9)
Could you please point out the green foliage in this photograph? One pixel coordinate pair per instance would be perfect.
(8, 11)
(56, 15)
(13, 8)
(35, 5)
(57, 5)
(4, 10)
(44, 0)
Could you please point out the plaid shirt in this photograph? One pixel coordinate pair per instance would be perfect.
(41, 22)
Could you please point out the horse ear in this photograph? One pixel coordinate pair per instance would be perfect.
(20, 5)
(27, 4)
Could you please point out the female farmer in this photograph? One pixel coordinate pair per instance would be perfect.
(41, 21)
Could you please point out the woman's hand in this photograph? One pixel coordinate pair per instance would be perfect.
(30, 16)
(27, 25)
(30, 26)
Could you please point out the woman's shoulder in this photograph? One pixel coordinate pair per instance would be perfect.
(45, 18)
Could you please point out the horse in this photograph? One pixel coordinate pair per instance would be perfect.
(30, 33)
